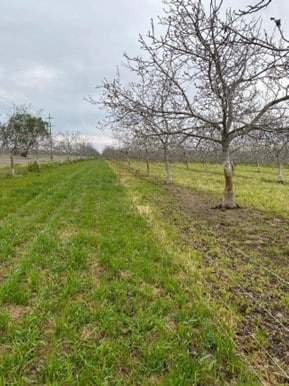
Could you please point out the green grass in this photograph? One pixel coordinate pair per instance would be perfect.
(240, 252)
(94, 293)
(253, 189)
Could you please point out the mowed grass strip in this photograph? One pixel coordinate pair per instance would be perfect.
(103, 302)
(253, 189)
(21, 227)
(19, 193)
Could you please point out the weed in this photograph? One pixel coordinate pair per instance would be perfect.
(33, 167)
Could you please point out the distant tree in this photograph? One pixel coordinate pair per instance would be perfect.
(21, 133)
(276, 139)
(72, 144)
(86, 149)
(254, 150)
(110, 152)
(67, 143)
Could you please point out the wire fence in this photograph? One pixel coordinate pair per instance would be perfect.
(18, 160)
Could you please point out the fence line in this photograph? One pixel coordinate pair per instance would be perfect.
(5, 160)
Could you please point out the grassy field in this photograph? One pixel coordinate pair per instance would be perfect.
(111, 279)
(243, 253)
(88, 295)
(253, 189)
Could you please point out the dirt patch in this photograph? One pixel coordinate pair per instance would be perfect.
(67, 234)
(16, 312)
(249, 229)
(95, 271)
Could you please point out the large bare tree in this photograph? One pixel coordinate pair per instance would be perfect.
(202, 76)
(222, 85)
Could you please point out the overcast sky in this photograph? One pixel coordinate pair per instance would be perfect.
(54, 53)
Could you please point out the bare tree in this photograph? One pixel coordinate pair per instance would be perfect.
(276, 137)
(67, 144)
(203, 77)
(139, 108)
(222, 86)
(86, 149)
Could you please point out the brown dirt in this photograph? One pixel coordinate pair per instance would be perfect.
(16, 312)
(245, 255)
(252, 231)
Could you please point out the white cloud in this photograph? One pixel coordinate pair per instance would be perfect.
(101, 141)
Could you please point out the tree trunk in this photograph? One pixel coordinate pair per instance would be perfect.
(37, 154)
(206, 165)
(186, 161)
(280, 171)
(258, 167)
(12, 169)
(148, 166)
(168, 172)
(228, 197)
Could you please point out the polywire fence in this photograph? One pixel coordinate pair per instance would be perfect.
(18, 160)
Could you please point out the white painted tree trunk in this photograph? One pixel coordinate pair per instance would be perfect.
(228, 197)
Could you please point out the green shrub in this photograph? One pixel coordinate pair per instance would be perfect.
(33, 167)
